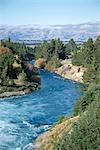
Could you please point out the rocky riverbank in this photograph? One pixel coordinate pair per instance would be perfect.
(17, 93)
(69, 71)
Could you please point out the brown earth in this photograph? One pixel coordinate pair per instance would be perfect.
(40, 63)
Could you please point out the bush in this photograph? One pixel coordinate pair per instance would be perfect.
(92, 93)
(85, 135)
(55, 61)
(77, 59)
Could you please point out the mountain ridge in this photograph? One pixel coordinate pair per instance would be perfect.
(46, 32)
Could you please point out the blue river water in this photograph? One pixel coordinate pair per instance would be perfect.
(23, 118)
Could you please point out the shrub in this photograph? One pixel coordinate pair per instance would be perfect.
(85, 135)
(92, 93)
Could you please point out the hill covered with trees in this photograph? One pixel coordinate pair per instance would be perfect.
(16, 74)
(85, 134)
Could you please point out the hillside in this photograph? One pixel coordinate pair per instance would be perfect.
(48, 139)
(78, 32)
(16, 74)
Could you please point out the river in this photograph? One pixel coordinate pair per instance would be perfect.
(23, 118)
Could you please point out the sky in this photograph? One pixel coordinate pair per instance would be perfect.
(48, 12)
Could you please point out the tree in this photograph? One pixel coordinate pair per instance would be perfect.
(88, 52)
(22, 77)
(97, 57)
(60, 49)
(71, 47)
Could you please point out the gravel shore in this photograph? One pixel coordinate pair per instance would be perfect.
(18, 93)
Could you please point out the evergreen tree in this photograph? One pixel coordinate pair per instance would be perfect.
(88, 52)
(71, 46)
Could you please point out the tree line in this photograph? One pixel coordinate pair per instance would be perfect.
(85, 134)
(15, 72)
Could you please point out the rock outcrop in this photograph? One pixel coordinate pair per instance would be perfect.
(69, 71)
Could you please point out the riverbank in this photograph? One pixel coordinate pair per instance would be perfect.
(69, 71)
(9, 91)
(66, 70)
(47, 140)
(10, 94)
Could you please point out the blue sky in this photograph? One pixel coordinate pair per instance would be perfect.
(16, 12)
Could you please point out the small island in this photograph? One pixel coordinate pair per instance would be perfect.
(17, 75)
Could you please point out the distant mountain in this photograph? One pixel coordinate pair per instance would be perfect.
(79, 32)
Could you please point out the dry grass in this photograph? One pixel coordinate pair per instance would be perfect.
(4, 50)
(47, 140)
(40, 63)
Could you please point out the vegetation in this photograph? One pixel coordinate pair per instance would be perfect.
(16, 73)
(85, 134)
(54, 51)
(18, 48)
(92, 75)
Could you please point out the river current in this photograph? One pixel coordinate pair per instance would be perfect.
(23, 118)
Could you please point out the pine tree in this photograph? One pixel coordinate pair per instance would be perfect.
(88, 52)
(71, 46)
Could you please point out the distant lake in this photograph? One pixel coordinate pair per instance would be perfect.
(23, 118)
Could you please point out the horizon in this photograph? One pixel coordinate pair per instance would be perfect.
(81, 23)
(50, 12)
